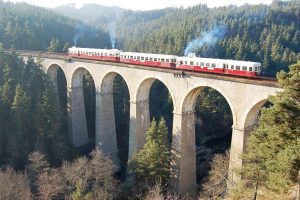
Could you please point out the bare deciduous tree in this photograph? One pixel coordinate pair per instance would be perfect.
(157, 193)
(50, 185)
(216, 183)
(14, 185)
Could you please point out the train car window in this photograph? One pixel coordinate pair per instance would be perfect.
(162, 60)
(232, 66)
(167, 60)
(185, 62)
(155, 59)
(225, 66)
(131, 57)
(146, 58)
(134, 57)
(197, 63)
(207, 64)
(191, 63)
(213, 65)
(142, 58)
(150, 58)
(138, 57)
(158, 59)
(202, 64)
(238, 67)
(244, 68)
(250, 69)
(255, 69)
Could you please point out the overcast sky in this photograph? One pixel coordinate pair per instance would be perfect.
(143, 4)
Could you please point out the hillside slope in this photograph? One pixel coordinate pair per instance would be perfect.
(24, 26)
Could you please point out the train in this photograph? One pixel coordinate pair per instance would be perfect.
(189, 63)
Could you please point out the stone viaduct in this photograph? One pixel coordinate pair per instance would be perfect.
(244, 96)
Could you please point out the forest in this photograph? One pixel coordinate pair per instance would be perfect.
(262, 33)
(36, 157)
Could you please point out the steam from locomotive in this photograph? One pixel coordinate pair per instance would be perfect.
(209, 38)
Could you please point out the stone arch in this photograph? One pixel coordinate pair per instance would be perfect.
(250, 120)
(183, 147)
(106, 131)
(59, 79)
(189, 102)
(52, 72)
(144, 87)
(77, 111)
(251, 114)
(107, 82)
(140, 114)
(77, 76)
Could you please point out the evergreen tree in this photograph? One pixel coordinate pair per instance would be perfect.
(272, 162)
(66, 47)
(152, 163)
(54, 45)
(30, 112)
(79, 193)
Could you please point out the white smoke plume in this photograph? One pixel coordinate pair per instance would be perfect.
(209, 38)
(112, 34)
(79, 32)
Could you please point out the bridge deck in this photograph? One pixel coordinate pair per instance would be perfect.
(265, 81)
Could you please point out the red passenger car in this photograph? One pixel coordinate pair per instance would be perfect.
(95, 54)
(218, 66)
(155, 60)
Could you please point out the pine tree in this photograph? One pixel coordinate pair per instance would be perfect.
(273, 157)
(66, 47)
(79, 193)
(152, 163)
(54, 45)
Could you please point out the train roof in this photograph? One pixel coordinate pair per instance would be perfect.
(96, 50)
(216, 60)
(149, 55)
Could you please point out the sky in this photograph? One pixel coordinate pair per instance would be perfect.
(142, 4)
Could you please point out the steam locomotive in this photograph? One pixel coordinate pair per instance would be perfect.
(190, 62)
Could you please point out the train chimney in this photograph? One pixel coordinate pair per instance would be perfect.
(192, 55)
